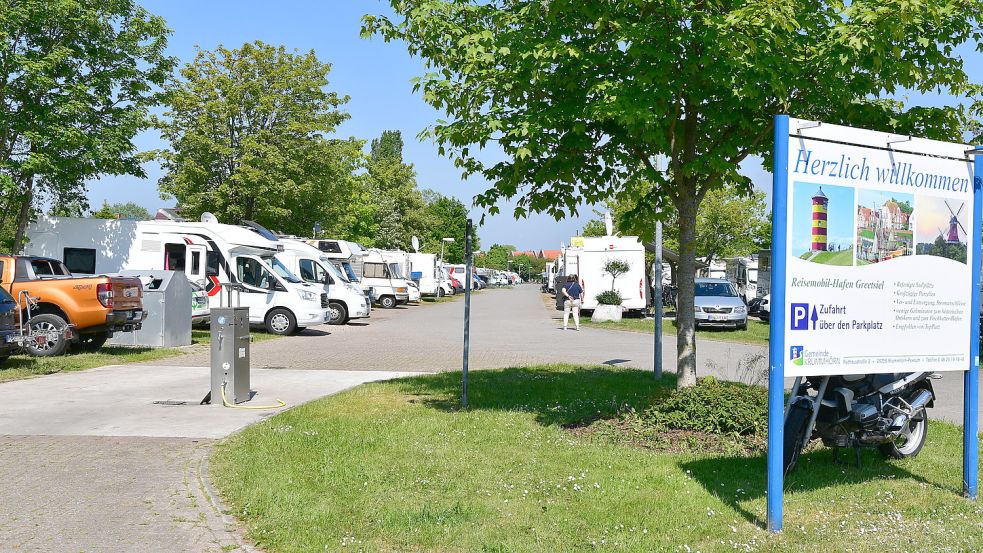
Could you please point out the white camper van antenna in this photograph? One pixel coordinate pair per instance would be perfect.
(608, 224)
(209, 217)
(415, 242)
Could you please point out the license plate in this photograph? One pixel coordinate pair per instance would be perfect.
(130, 292)
(718, 317)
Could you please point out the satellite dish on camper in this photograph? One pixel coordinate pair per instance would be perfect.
(416, 244)
(208, 217)
(608, 224)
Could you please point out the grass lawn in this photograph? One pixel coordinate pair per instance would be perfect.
(24, 366)
(842, 257)
(396, 466)
(756, 333)
(866, 233)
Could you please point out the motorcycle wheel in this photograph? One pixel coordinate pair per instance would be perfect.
(795, 428)
(911, 440)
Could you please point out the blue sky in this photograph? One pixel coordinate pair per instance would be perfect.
(842, 205)
(377, 77)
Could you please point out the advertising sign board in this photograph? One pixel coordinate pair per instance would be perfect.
(879, 268)
(875, 267)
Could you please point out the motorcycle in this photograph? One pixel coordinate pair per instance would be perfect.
(886, 411)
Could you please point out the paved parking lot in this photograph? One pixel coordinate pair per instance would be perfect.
(90, 463)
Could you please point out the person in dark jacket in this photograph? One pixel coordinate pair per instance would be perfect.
(573, 298)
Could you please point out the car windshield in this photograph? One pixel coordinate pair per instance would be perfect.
(395, 271)
(715, 289)
(752, 276)
(282, 270)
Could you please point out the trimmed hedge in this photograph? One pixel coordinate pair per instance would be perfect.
(713, 406)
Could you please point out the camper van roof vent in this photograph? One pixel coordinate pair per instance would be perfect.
(261, 230)
(168, 214)
(209, 217)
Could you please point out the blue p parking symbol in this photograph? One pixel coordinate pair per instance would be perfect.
(800, 316)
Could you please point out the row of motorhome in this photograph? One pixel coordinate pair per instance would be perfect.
(284, 283)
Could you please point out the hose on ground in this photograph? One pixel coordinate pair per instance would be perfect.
(226, 403)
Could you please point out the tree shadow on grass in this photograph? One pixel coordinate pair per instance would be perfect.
(735, 480)
(558, 395)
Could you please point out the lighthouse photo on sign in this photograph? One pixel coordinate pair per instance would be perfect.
(940, 227)
(822, 223)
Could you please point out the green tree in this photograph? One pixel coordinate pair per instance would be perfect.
(247, 130)
(446, 218)
(497, 257)
(400, 212)
(594, 227)
(76, 81)
(730, 223)
(584, 97)
(128, 210)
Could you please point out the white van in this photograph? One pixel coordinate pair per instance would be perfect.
(209, 253)
(345, 300)
(388, 288)
(346, 256)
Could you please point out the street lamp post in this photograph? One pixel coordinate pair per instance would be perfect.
(442, 241)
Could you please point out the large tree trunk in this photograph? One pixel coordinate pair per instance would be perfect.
(24, 214)
(685, 321)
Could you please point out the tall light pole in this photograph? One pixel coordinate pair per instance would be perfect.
(442, 242)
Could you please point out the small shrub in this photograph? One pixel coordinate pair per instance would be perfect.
(609, 297)
(713, 406)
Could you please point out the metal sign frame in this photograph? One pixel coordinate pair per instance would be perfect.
(776, 369)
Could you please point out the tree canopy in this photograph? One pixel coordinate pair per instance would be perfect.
(128, 210)
(583, 97)
(76, 81)
(247, 130)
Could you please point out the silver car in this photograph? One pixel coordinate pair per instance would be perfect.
(718, 304)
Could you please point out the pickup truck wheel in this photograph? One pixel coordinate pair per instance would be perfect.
(92, 342)
(339, 315)
(280, 321)
(44, 344)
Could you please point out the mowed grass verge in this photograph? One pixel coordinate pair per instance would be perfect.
(756, 332)
(396, 466)
(24, 366)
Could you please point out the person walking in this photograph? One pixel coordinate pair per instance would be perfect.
(573, 298)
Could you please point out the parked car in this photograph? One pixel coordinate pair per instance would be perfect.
(96, 306)
(718, 304)
(9, 325)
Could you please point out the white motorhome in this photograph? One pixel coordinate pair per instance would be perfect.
(742, 272)
(346, 256)
(345, 300)
(423, 271)
(399, 266)
(589, 267)
(388, 289)
(211, 254)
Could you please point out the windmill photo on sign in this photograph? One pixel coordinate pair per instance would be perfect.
(940, 227)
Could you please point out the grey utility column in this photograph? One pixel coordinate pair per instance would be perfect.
(230, 354)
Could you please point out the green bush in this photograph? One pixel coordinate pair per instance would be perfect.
(609, 297)
(713, 406)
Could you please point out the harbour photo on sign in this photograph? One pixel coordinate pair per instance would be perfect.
(884, 226)
(822, 223)
(941, 227)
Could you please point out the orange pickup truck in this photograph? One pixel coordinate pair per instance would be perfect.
(96, 307)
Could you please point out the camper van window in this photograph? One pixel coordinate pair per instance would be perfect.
(283, 271)
(174, 257)
(211, 264)
(329, 267)
(252, 273)
(394, 270)
(195, 263)
(80, 260)
(375, 270)
(329, 246)
(312, 271)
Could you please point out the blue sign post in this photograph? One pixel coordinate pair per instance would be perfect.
(776, 332)
(864, 277)
(971, 380)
